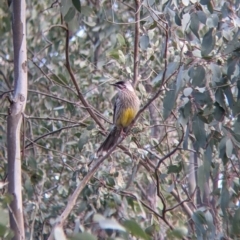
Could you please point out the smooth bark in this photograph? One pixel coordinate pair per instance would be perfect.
(14, 120)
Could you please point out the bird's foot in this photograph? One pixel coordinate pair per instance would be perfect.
(123, 134)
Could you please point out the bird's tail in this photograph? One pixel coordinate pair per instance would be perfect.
(109, 141)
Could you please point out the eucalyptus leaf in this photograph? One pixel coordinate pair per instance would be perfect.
(208, 42)
(216, 72)
(187, 91)
(121, 56)
(179, 232)
(194, 25)
(169, 102)
(178, 20)
(111, 224)
(121, 39)
(225, 198)
(199, 132)
(197, 75)
(70, 14)
(83, 140)
(219, 112)
(77, 4)
(86, 11)
(144, 42)
(135, 229)
(179, 82)
(202, 17)
(185, 21)
(201, 179)
(204, 2)
(235, 222)
(229, 95)
(229, 147)
(212, 21)
(83, 236)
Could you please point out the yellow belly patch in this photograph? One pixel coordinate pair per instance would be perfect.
(126, 117)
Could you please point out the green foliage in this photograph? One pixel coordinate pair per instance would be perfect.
(135, 229)
(177, 175)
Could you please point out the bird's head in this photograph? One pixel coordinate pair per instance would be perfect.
(123, 85)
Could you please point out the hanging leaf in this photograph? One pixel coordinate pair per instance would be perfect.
(179, 82)
(216, 72)
(83, 140)
(194, 25)
(169, 101)
(185, 22)
(199, 132)
(77, 4)
(229, 95)
(111, 224)
(236, 222)
(229, 147)
(86, 11)
(200, 222)
(207, 160)
(121, 39)
(144, 42)
(204, 2)
(178, 232)
(201, 17)
(121, 56)
(219, 112)
(187, 91)
(70, 14)
(210, 7)
(175, 168)
(222, 149)
(135, 229)
(197, 75)
(201, 179)
(225, 197)
(83, 236)
(220, 98)
(237, 125)
(211, 228)
(212, 21)
(208, 43)
(178, 20)
(231, 67)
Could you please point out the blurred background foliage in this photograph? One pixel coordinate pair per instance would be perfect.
(177, 174)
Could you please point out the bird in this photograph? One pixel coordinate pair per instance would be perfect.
(126, 107)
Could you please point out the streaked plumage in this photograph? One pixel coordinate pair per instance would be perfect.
(126, 107)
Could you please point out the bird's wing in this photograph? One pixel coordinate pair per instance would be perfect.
(115, 110)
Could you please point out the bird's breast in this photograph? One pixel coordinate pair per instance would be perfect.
(126, 117)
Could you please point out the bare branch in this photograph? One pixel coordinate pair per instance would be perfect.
(81, 97)
(72, 200)
(53, 132)
(136, 43)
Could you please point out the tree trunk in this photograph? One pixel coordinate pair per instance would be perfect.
(14, 120)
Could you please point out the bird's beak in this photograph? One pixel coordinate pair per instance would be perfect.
(114, 84)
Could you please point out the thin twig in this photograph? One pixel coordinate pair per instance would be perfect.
(15, 219)
(51, 119)
(129, 194)
(53, 132)
(71, 102)
(52, 80)
(136, 43)
(52, 96)
(81, 97)
(60, 154)
(72, 200)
